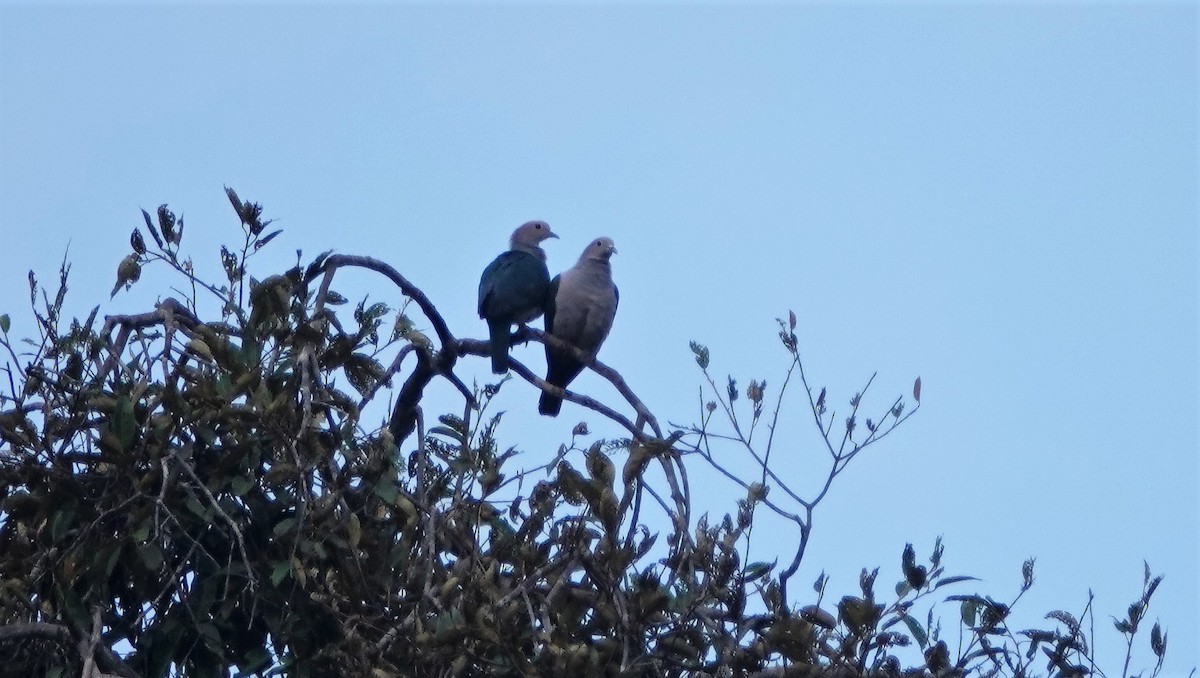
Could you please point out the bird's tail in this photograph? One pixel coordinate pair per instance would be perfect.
(549, 405)
(498, 335)
(560, 371)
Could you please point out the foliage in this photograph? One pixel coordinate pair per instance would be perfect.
(191, 495)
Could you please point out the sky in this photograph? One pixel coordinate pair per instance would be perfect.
(1000, 198)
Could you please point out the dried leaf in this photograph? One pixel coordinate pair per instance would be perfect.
(701, 353)
(354, 531)
(136, 241)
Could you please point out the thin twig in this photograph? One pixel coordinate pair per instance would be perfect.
(88, 648)
(220, 511)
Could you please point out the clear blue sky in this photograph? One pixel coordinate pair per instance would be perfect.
(1000, 198)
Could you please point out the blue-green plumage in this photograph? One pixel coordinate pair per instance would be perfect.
(513, 289)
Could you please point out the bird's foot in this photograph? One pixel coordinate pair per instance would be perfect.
(521, 336)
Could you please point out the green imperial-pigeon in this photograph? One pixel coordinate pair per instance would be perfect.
(583, 305)
(514, 288)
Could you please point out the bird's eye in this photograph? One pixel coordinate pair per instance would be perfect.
(538, 226)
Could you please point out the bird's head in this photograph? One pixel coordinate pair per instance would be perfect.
(600, 249)
(530, 234)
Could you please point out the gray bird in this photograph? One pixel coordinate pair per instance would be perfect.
(514, 288)
(583, 305)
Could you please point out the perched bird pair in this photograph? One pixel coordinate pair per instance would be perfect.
(579, 304)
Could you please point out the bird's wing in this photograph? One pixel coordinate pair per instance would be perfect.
(512, 284)
(551, 294)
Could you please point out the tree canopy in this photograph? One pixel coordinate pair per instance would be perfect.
(193, 493)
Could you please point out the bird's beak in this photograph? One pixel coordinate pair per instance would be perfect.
(551, 234)
(612, 250)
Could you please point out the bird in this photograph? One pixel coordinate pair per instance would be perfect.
(583, 304)
(514, 288)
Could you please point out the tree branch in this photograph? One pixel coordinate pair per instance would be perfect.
(526, 333)
(107, 660)
(407, 288)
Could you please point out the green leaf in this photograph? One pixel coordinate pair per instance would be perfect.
(251, 353)
(757, 570)
(200, 347)
(376, 311)
(5, 323)
(917, 630)
(1065, 618)
(819, 584)
(1158, 641)
(224, 384)
(969, 610)
(946, 581)
(200, 510)
(61, 522)
(151, 556)
(212, 637)
(385, 489)
(1150, 589)
(281, 570)
(254, 661)
(267, 238)
(124, 422)
(241, 485)
(142, 532)
(446, 432)
(916, 577)
(363, 371)
(206, 433)
(153, 230)
(284, 526)
(233, 200)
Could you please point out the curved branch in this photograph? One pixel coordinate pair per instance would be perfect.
(107, 660)
(526, 333)
(407, 288)
(407, 409)
(167, 310)
(44, 631)
(480, 348)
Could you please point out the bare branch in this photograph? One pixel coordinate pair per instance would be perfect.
(407, 288)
